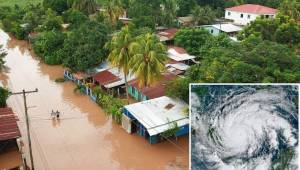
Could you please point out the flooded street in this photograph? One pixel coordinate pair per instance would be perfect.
(84, 138)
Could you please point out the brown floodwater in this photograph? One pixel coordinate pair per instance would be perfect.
(84, 138)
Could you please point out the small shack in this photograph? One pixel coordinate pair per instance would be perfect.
(10, 149)
(150, 119)
(180, 55)
(216, 29)
(167, 35)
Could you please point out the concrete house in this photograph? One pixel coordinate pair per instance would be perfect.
(216, 29)
(151, 118)
(244, 14)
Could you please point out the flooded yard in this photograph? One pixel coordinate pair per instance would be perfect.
(84, 138)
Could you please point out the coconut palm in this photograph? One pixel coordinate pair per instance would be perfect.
(169, 12)
(86, 6)
(203, 15)
(114, 10)
(119, 52)
(148, 59)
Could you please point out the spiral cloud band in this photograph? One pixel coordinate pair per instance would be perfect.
(244, 127)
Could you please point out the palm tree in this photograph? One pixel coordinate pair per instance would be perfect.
(114, 10)
(2, 55)
(170, 9)
(203, 15)
(119, 52)
(86, 6)
(148, 59)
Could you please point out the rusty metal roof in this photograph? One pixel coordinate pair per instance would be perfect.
(8, 124)
(158, 89)
(105, 77)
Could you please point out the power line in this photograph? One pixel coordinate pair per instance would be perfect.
(27, 121)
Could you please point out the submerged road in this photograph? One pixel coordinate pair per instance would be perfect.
(84, 138)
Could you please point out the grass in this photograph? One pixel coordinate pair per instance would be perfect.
(12, 3)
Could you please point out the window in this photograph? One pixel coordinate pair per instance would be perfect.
(267, 16)
(212, 31)
(229, 13)
(242, 15)
(249, 16)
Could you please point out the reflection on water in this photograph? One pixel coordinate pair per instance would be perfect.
(83, 138)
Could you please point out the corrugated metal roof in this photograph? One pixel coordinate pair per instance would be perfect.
(8, 124)
(179, 54)
(228, 28)
(105, 77)
(167, 34)
(158, 89)
(156, 115)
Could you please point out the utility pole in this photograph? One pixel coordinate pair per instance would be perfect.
(27, 122)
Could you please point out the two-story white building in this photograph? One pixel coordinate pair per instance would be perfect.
(244, 14)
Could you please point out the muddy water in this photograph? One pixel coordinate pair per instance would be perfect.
(84, 138)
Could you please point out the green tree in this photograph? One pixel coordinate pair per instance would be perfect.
(3, 97)
(185, 7)
(51, 21)
(74, 18)
(85, 6)
(192, 40)
(114, 10)
(290, 8)
(169, 12)
(203, 15)
(58, 6)
(47, 45)
(2, 56)
(148, 59)
(80, 54)
(119, 52)
(179, 88)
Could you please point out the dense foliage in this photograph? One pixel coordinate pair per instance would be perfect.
(47, 46)
(192, 40)
(84, 47)
(2, 55)
(281, 29)
(3, 97)
(111, 105)
(253, 60)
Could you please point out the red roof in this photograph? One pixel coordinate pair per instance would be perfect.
(105, 77)
(157, 90)
(169, 33)
(252, 8)
(8, 125)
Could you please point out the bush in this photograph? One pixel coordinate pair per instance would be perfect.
(47, 45)
(3, 97)
(111, 105)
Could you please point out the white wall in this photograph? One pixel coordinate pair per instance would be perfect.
(236, 17)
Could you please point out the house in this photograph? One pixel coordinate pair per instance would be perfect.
(149, 92)
(244, 14)
(167, 35)
(10, 150)
(112, 80)
(227, 28)
(185, 21)
(180, 55)
(151, 118)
